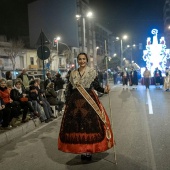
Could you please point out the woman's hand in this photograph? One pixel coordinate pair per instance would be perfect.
(107, 89)
(10, 101)
(24, 95)
(2, 107)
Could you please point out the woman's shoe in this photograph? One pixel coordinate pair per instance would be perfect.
(87, 157)
(46, 121)
(83, 157)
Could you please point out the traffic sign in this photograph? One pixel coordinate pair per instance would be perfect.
(43, 52)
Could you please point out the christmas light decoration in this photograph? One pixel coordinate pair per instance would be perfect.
(156, 54)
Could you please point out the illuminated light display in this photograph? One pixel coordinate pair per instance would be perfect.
(156, 54)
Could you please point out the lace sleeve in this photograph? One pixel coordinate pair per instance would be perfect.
(96, 85)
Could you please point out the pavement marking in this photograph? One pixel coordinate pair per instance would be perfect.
(149, 103)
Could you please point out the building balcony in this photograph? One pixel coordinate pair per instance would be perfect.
(62, 66)
(33, 66)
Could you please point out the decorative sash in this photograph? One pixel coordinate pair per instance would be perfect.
(93, 104)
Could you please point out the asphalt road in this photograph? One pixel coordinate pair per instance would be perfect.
(141, 125)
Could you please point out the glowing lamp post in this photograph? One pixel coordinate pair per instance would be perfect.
(88, 15)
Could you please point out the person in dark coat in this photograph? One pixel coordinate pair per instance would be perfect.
(10, 112)
(8, 75)
(58, 82)
(114, 77)
(51, 96)
(133, 78)
(157, 76)
(2, 106)
(19, 95)
(125, 77)
(48, 80)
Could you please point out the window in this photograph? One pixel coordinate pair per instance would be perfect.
(32, 60)
(60, 62)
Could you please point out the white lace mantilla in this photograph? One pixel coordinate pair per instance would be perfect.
(85, 80)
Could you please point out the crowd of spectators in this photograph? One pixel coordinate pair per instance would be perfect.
(22, 100)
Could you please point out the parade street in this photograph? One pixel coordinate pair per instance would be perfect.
(141, 125)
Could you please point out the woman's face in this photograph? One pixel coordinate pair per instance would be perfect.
(35, 84)
(3, 84)
(82, 61)
(18, 85)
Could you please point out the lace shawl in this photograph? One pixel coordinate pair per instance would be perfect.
(85, 80)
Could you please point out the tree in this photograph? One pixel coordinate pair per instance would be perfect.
(13, 50)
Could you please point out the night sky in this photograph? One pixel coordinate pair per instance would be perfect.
(134, 17)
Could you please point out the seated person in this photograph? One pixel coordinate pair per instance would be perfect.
(18, 94)
(51, 96)
(11, 111)
(35, 98)
(2, 106)
(45, 104)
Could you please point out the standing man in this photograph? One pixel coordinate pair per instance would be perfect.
(147, 75)
(48, 80)
(125, 77)
(133, 78)
(24, 77)
(114, 77)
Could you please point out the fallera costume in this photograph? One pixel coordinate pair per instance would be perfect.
(157, 76)
(133, 78)
(85, 127)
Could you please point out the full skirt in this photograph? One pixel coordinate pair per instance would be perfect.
(82, 130)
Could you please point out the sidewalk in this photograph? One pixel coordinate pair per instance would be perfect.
(9, 135)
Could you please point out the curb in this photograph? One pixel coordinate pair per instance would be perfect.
(19, 131)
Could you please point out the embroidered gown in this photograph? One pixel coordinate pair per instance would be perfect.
(81, 129)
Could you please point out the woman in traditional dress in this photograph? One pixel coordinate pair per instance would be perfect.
(85, 127)
(167, 79)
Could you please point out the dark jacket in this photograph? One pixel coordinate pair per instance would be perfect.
(21, 76)
(33, 95)
(15, 95)
(51, 96)
(1, 102)
(58, 83)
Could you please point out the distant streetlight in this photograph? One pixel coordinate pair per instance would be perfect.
(88, 15)
(70, 53)
(121, 45)
(57, 39)
(114, 55)
(96, 56)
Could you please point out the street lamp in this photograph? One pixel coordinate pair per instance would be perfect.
(58, 38)
(121, 48)
(88, 15)
(96, 57)
(114, 55)
(131, 47)
(70, 53)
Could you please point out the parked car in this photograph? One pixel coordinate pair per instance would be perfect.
(34, 76)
